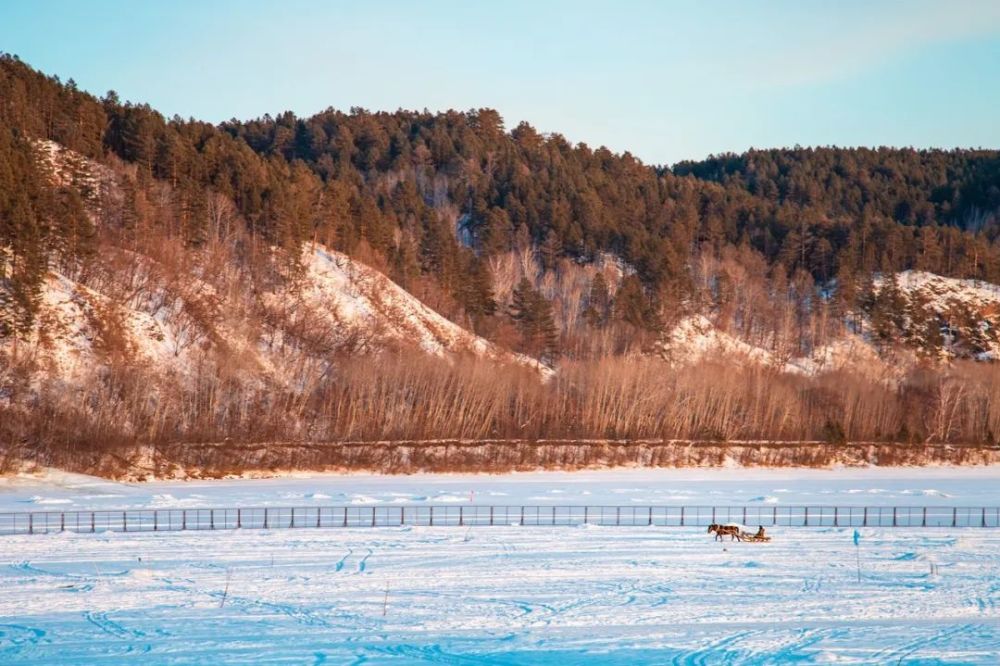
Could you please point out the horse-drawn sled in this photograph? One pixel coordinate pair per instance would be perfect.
(737, 533)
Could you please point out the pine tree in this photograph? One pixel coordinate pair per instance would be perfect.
(633, 305)
(598, 302)
(550, 250)
(532, 313)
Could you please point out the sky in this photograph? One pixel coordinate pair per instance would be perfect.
(666, 81)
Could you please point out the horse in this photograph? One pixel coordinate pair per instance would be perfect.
(721, 530)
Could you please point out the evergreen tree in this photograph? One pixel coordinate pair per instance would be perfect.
(532, 313)
(598, 302)
(633, 306)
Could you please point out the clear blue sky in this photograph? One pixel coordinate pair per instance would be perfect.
(664, 80)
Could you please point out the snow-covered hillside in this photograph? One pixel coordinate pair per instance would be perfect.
(696, 338)
(966, 311)
(66, 168)
(944, 292)
(360, 302)
(171, 328)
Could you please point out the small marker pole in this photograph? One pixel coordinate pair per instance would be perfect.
(857, 551)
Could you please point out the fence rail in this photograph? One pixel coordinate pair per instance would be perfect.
(171, 520)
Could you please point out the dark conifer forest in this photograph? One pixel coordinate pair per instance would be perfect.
(780, 247)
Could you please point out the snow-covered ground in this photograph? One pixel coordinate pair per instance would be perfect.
(499, 595)
(871, 486)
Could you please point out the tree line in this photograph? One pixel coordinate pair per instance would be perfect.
(431, 197)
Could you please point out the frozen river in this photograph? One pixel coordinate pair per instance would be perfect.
(872, 486)
(499, 595)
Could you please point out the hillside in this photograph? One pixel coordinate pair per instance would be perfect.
(415, 276)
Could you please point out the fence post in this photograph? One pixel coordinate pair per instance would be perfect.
(864, 519)
(954, 516)
(682, 516)
(402, 515)
(156, 520)
(461, 516)
(553, 515)
(836, 517)
(650, 516)
(93, 522)
(31, 523)
(586, 515)
(924, 522)
(373, 516)
(744, 515)
(713, 514)
(522, 514)
(265, 518)
(62, 522)
(293, 517)
(618, 515)
(319, 515)
(124, 521)
(491, 515)
(806, 521)
(984, 517)
(345, 516)
(432, 515)
(893, 516)
(184, 519)
(774, 516)
(211, 519)
(239, 518)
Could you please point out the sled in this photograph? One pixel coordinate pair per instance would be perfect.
(747, 536)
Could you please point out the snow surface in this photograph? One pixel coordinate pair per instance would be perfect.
(941, 290)
(871, 486)
(525, 595)
(501, 595)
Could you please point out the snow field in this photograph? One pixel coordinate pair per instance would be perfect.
(871, 486)
(501, 595)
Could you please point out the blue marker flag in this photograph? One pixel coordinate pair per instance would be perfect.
(857, 537)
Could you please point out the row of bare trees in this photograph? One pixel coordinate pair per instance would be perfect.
(395, 397)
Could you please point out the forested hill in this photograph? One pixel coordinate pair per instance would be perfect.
(165, 280)
(395, 186)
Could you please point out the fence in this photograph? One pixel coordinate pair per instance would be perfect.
(170, 520)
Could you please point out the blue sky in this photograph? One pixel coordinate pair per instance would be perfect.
(665, 80)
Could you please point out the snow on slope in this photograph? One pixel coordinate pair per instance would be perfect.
(942, 291)
(78, 329)
(75, 326)
(696, 338)
(362, 300)
(968, 311)
(849, 352)
(67, 168)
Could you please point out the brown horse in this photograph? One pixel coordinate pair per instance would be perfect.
(721, 530)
